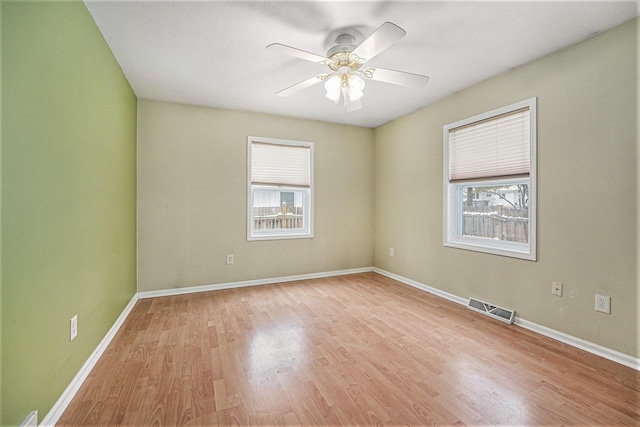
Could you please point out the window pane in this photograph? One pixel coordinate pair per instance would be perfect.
(490, 168)
(278, 210)
(499, 212)
(280, 189)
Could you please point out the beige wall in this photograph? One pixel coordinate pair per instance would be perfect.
(587, 187)
(192, 195)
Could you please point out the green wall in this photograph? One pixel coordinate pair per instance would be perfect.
(69, 197)
(0, 214)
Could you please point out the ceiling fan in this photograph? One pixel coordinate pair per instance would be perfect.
(348, 72)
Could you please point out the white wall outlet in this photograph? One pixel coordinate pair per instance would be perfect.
(603, 304)
(392, 252)
(229, 259)
(73, 327)
(556, 289)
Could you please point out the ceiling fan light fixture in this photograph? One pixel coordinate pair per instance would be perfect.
(332, 86)
(356, 84)
(346, 84)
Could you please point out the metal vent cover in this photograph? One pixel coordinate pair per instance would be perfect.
(500, 313)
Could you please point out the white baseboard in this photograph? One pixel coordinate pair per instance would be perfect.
(607, 353)
(422, 286)
(588, 346)
(59, 407)
(245, 283)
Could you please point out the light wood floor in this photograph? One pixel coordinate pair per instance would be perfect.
(351, 350)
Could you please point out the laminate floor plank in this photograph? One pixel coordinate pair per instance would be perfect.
(351, 350)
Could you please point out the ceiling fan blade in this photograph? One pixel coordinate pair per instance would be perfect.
(386, 35)
(302, 85)
(302, 54)
(396, 77)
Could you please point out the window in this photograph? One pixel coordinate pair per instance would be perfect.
(280, 189)
(490, 182)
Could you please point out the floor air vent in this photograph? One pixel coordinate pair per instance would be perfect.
(502, 314)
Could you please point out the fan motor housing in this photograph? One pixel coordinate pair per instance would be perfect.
(341, 48)
(345, 44)
(340, 55)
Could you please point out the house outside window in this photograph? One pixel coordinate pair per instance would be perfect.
(490, 182)
(280, 189)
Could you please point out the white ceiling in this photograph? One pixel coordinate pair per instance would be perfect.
(212, 53)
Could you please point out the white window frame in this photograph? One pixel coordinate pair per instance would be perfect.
(307, 231)
(452, 201)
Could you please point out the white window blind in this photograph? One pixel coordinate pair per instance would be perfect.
(278, 164)
(495, 148)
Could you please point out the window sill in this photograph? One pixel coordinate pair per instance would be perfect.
(279, 237)
(507, 249)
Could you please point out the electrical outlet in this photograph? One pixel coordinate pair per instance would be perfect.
(229, 259)
(392, 252)
(556, 289)
(73, 328)
(603, 304)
